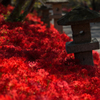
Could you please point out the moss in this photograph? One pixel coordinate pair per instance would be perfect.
(78, 14)
(81, 13)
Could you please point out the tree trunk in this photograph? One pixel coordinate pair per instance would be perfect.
(93, 5)
(27, 9)
(6, 2)
(16, 12)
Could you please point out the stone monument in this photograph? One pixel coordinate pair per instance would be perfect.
(45, 14)
(57, 11)
(82, 45)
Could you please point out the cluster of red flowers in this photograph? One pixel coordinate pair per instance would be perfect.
(66, 10)
(34, 64)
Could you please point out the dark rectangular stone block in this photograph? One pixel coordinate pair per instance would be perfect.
(56, 16)
(81, 33)
(72, 47)
(85, 58)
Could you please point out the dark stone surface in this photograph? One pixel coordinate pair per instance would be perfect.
(43, 7)
(85, 58)
(79, 15)
(81, 33)
(72, 47)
